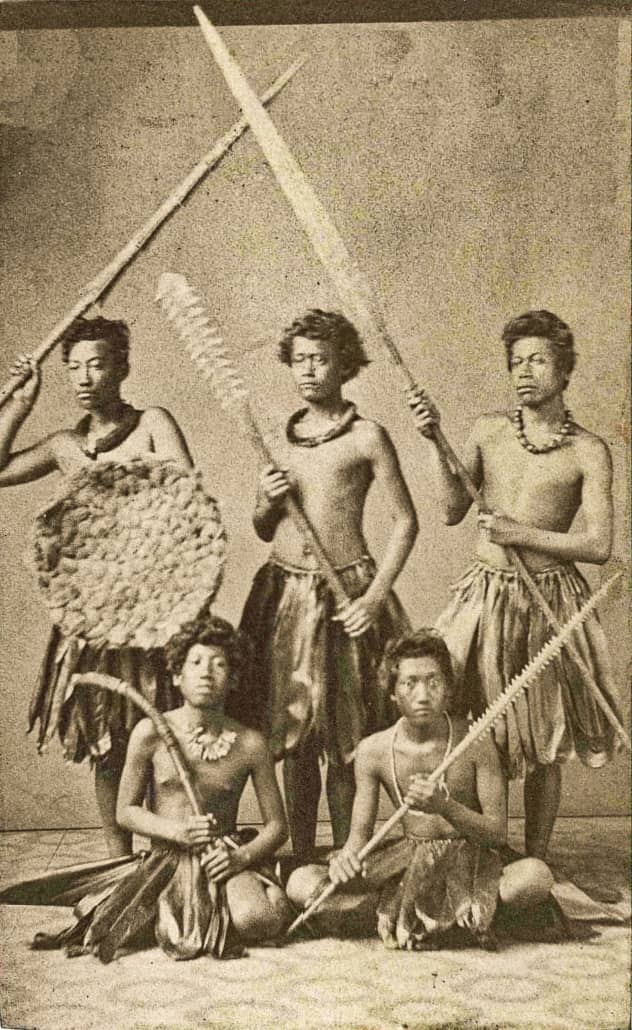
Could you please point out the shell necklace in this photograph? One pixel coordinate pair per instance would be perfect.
(204, 745)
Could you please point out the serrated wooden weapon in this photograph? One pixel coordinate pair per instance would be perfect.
(478, 729)
(360, 302)
(107, 276)
(185, 309)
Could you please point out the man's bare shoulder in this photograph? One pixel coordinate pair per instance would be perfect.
(60, 440)
(372, 749)
(144, 737)
(481, 753)
(251, 741)
(484, 754)
(590, 448)
(370, 435)
(153, 418)
(490, 425)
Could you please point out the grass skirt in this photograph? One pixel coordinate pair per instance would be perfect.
(162, 897)
(437, 885)
(427, 894)
(307, 676)
(492, 628)
(91, 722)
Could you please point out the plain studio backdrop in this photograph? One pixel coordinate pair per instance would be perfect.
(475, 170)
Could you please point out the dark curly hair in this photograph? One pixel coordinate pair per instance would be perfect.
(115, 333)
(423, 643)
(211, 631)
(547, 326)
(335, 329)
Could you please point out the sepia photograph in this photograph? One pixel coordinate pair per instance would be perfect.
(315, 515)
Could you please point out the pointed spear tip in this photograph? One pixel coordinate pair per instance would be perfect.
(297, 922)
(298, 63)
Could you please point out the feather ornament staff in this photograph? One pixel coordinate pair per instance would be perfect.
(359, 302)
(479, 728)
(184, 307)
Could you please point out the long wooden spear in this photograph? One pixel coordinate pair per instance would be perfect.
(97, 286)
(358, 300)
(478, 729)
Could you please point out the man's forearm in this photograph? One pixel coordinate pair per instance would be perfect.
(265, 520)
(453, 497)
(397, 551)
(271, 837)
(140, 820)
(582, 547)
(475, 826)
(11, 418)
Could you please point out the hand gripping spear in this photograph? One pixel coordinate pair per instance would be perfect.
(358, 301)
(184, 307)
(101, 681)
(217, 930)
(483, 725)
(103, 281)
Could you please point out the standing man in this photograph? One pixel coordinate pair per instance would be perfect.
(536, 468)
(96, 354)
(313, 690)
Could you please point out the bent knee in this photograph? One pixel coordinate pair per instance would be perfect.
(303, 882)
(526, 882)
(258, 912)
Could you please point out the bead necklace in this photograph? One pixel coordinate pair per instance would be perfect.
(556, 441)
(202, 744)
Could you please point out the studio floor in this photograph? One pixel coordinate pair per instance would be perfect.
(350, 985)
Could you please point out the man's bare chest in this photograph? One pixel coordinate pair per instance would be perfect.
(516, 473)
(337, 461)
(461, 776)
(212, 778)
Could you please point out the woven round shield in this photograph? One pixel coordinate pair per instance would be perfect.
(129, 553)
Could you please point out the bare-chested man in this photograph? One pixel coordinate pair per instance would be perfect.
(204, 887)
(313, 688)
(536, 467)
(447, 871)
(96, 354)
